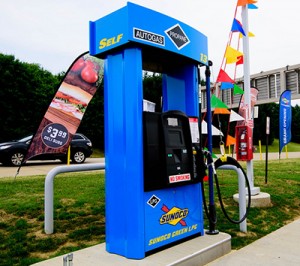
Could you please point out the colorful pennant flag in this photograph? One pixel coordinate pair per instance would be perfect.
(226, 85)
(213, 155)
(217, 103)
(251, 6)
(237, 26)
(232, 55)
(221, 111)
(245, 2)
(237, 90)
(235, 117)
(215, 131)
(240, 60)
(250, 34)
(230, 141)
(223, 77)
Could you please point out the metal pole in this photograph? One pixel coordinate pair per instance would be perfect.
(267, 144)
(212, 209)
(247, 89)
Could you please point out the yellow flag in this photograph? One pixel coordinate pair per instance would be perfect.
(250, 34)
(232, 55)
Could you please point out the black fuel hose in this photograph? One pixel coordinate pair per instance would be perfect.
(220, 162)
(212, 217)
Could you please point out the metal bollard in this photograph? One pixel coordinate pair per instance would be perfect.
(49, 189)
(68, 260)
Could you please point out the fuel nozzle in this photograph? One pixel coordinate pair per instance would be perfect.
(199, 163)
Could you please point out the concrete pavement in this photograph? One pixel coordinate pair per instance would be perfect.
(43, 167)
(38, 167)
(281, 248)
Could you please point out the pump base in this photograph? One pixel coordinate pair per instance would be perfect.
(212, 232)
(260, 200)
(198, 251)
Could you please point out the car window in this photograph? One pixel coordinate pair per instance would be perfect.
(26, 139)
(77, 137)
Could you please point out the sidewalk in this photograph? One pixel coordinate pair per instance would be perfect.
(278, 248)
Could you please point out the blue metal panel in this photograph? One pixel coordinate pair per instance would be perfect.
(180, 90)
(134, 23)
(109, 32)
(192, 90)
(113, 129)
(177, 215)
(173, 93)
(124, 154)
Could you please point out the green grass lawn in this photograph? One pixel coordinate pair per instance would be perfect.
(291, 147)
(79, 216)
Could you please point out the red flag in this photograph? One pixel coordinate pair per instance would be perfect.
(223, 77)
(67, 108)
(240, 60)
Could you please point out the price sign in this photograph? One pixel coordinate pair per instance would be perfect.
(55, 135)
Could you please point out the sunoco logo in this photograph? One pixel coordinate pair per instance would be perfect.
(173, 216)
(177, 36)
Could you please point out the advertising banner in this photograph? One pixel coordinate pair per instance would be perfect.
(285, 119)
(68, 106)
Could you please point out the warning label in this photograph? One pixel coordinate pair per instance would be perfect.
(179, 178)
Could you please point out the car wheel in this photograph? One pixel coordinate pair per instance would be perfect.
(16, 158)
(78, 157)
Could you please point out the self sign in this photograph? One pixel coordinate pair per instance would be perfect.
(111, 41)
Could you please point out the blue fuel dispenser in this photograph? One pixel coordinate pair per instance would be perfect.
(153, 195)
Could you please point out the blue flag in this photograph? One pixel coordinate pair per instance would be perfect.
(226, 85)
(285, 119)
(237, 26)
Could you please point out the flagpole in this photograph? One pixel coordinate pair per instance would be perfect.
(247, 91)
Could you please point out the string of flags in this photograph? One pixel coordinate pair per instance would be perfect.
(233, 57)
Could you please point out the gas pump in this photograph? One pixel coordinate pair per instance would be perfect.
(169, 180)
(168, 153)
(153, 196)
(244, 149)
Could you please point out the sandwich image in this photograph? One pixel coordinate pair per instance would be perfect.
(71, 100)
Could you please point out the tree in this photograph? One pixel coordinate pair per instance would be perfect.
(25, 92)
(296, 124)
(259, 133)
(152, 89)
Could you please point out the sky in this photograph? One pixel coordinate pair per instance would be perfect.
(52, 33)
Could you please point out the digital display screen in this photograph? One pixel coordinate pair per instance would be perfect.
(172, 122)
(175, 138)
